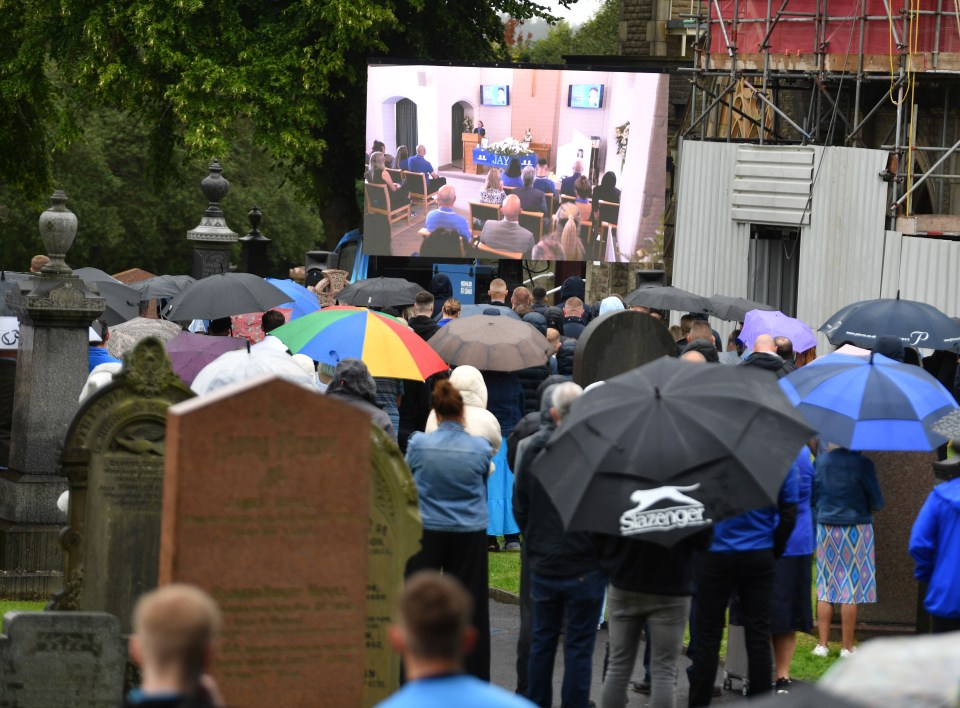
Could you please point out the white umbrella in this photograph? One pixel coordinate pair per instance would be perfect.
(241, 365)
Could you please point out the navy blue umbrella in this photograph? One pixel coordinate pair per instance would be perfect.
(917, 324)
(870, 404)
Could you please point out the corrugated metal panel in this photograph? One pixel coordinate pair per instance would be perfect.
(928, 273)
(771, 185)
(841, 251)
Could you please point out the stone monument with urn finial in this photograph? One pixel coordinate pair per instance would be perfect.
(55, 309)
(212, 237)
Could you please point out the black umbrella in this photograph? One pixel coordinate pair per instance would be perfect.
(163, 286)
(734, 309)
(917, 324)
(667, 297)
(122, 301)
(379, 292)
(224, 295)
(664, 450)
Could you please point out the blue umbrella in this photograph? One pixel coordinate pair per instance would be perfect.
(302, 300)
(870, 404)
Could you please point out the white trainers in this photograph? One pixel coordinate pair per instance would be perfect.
(846, 653)
(821, 651)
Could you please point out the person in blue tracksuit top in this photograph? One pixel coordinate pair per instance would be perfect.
(935, 546)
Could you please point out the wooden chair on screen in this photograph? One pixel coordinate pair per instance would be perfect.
(395, 175)
(532, 221)
(482, 213)
(586, 238)
(609, 215)
(549, 198)
(485, 250)
(418, 190)
(377, 198)
(564, 198)
(509, 190)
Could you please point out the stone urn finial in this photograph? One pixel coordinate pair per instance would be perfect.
(58, 228)
(215, 188)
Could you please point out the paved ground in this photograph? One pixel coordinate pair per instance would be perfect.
(504, 626)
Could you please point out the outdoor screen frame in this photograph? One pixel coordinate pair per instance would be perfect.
(486, 90)
(538, 115)
(576, 91)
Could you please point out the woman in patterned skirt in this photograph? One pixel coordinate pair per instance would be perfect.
(845, 493)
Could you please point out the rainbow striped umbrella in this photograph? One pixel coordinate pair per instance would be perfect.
(384, 343)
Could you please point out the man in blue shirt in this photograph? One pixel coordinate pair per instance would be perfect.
(543, 181)
(740, 559)
(445, 217)
(434, 636)
(418, 163)
(99, 334)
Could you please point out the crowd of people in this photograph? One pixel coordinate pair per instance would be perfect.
(570, 213)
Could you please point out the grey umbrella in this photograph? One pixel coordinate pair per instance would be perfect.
(491, 343)
(379, 292)
(163, 286)
(667, 297)
(224, 295)
(123, 302)
(734, 309)
(473, 310)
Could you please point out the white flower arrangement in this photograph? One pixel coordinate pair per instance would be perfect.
(509, 147)
(467, 124)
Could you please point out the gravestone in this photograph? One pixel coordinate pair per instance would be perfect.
(61, 660)
(266, 506)
(212, 237)
(906, 479)
(393, 536)
(618, 342)
(113, 458)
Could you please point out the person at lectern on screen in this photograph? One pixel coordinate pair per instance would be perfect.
(480, 130)
(419, 163)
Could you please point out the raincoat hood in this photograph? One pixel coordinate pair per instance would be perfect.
(469, 382)
(890, 346)
(442, 289)
(351, 377)
(610, 304)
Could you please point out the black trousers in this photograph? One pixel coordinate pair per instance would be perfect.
(463, 556)
(526, 624)
(719, 575)
(941, 625)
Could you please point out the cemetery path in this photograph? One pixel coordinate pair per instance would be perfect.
(504, 627)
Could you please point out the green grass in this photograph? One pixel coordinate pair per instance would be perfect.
(505, 574)
(13, 605)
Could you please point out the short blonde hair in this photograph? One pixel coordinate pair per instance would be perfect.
(175, 625)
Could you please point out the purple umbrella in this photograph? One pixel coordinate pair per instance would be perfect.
(777, 324)
(191, 352)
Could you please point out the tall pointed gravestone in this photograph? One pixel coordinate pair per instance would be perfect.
(268, 491)
(55, 309)
(618, 342)
(113, 458)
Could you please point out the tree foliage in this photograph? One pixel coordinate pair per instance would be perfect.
(195, 74)
(595, 37)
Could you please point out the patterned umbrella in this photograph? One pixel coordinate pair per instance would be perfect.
(385, 344)
(126, 335)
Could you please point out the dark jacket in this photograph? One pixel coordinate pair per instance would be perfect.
(573, 326)
(551, 551)
(442, 289)
(554, 317)
(704, 347)
(423, 326)
(166, 701)
(642, 566)
(606, 191)
(565, 354)
(845, 489)
(530, 380)
(415, 403)
(528, 425)
(504, 398)
(765, 361)
(573, 287)
(353, 384)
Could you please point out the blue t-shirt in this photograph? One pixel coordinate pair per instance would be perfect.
(753, 531)
(512, 181)
(460, 691)
(99, 355)
(447, 218)
(419, 164)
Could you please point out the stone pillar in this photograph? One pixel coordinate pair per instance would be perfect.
(212, 237)
(55, 309)
(255, 244)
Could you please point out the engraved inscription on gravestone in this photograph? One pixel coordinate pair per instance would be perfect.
(113, 458)
(61, 660)
(266, 506)
(393, 536)
(618, 342)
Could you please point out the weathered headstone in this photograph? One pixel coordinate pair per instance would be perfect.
(113, 458)
(55, 309)
(906, 479)
(618, 342)
(61, 660)
(266, 506)
(394, 536)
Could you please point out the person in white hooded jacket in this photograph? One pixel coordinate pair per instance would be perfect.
(477, 419)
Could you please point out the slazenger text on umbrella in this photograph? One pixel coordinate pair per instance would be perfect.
(642, 519)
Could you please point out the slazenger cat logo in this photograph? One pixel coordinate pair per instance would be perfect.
(642, 519)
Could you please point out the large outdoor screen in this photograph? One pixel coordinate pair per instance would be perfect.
(601, 172)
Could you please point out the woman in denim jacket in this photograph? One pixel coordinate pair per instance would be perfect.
(845, 494)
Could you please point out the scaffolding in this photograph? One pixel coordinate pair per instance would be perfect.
(858, 73)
